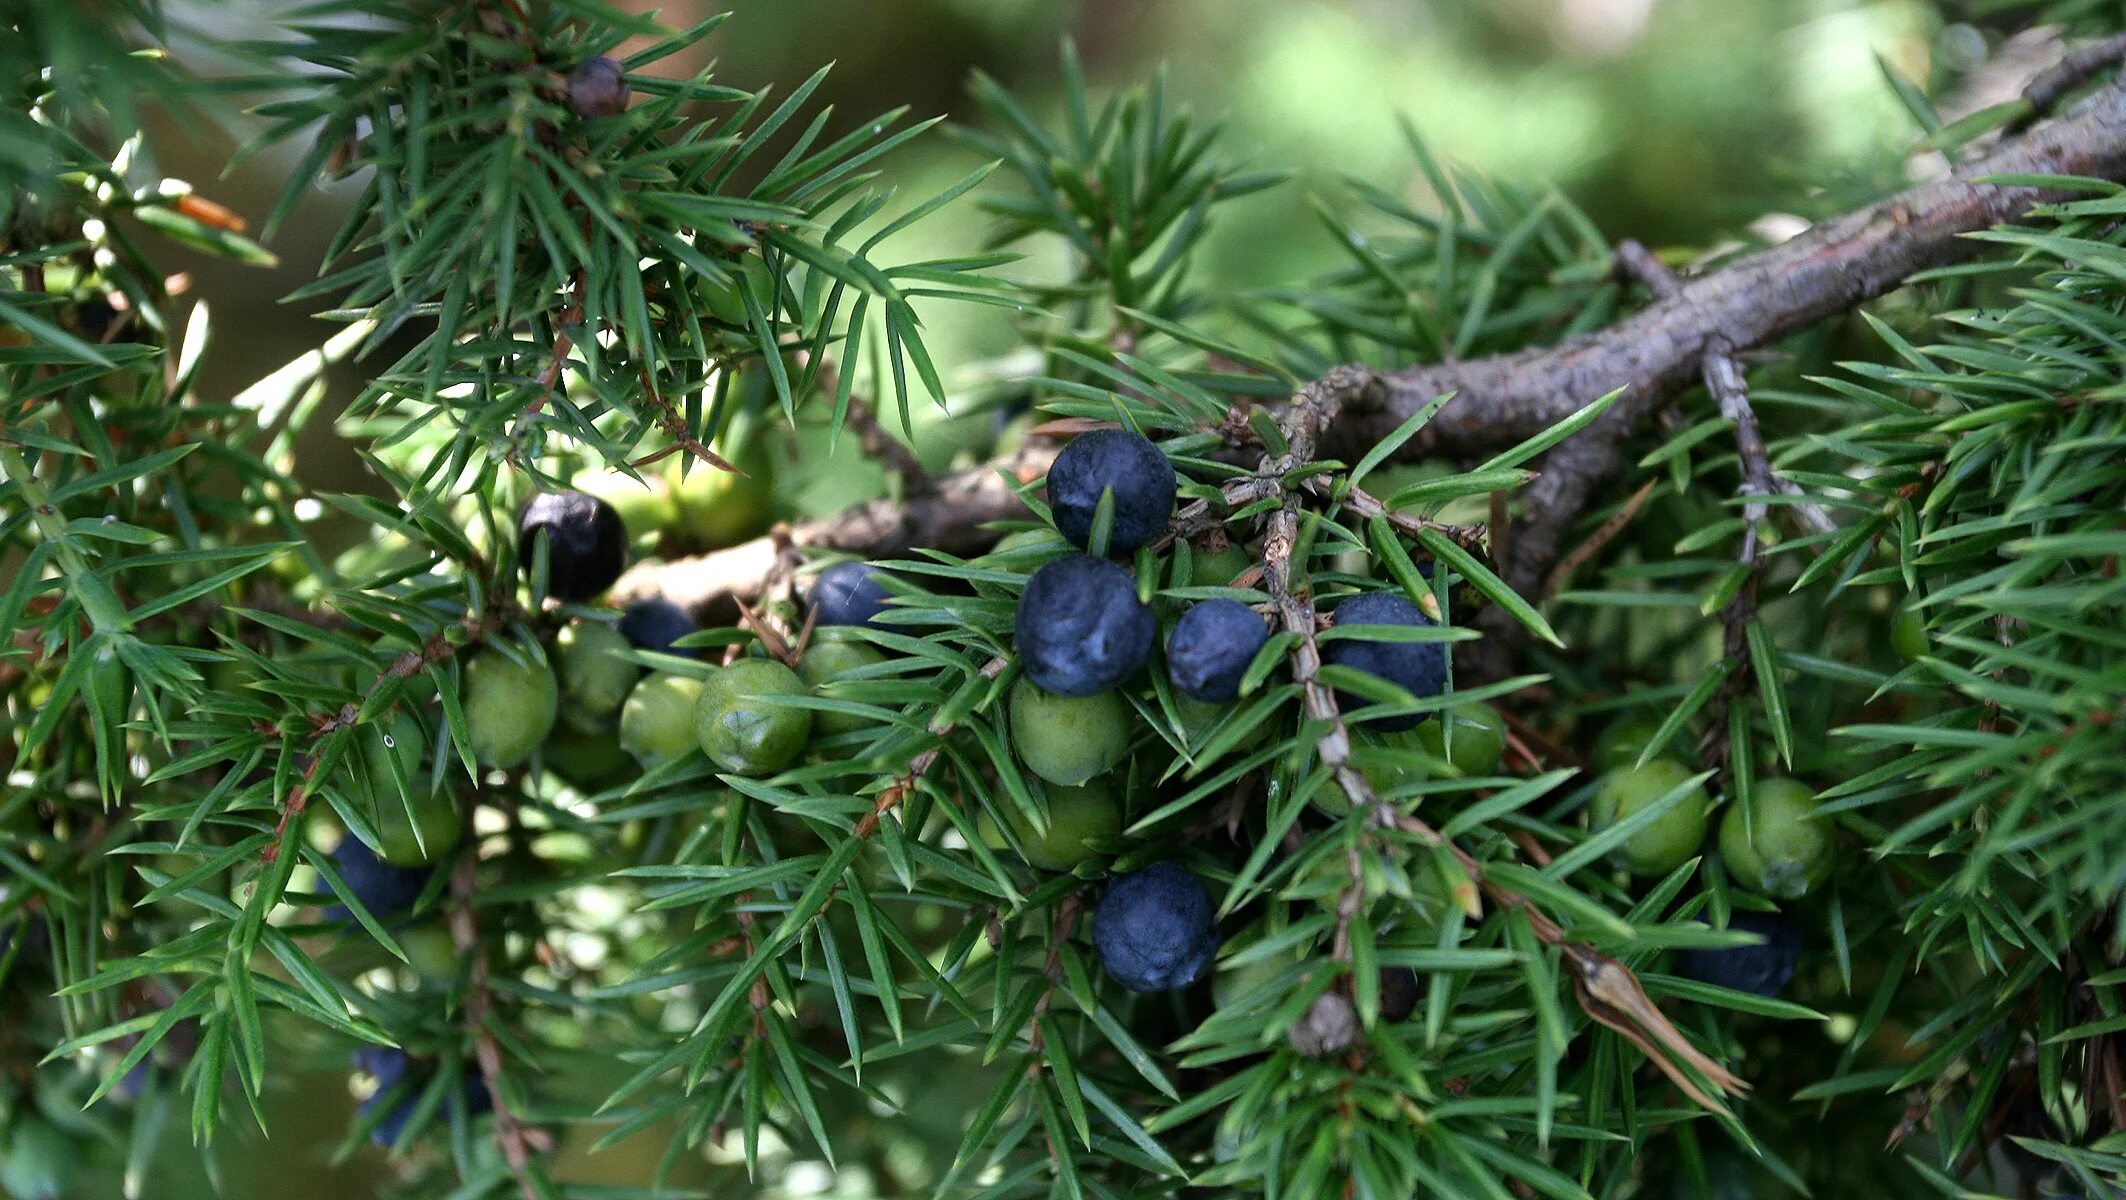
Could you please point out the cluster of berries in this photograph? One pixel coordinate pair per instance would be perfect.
(1084, 630)
(1778, 846)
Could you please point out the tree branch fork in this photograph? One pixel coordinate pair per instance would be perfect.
(1695, 331)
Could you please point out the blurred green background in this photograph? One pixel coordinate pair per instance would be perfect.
(1674, 121)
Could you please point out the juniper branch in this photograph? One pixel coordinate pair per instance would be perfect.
(950, 518)
(1506, 398)
(1831, 268)
(2077, 68)
(1753, 301)
(1724, 380)
(1606, 989)
(511, 1136)
(439, 647)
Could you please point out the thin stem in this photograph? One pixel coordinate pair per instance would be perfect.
(511, 1136)
(98, 602)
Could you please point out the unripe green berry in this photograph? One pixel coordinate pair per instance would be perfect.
(657, 722)
(738, 731)
(826, 660)
(1219, 568)
(1068, 739)
(1621, 741)
(1784, 849)
(430, 951)
(721, 508)
(432, 831)
(1674, 837)
(725, 299)
(595, 675)
(1077, 816)
(1432, 892)
(509, 709)
(590, 761)
(1199, 721)
(1479, 737)
(1383, 778)
(414, 824)
(1387, 762)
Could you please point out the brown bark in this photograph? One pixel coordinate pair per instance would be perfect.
(949, 517)
(1651, 355)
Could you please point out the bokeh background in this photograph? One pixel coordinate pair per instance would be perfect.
(1673, 121)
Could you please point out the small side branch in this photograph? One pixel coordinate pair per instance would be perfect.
(1607, 990)
(872, 437)
(437, 648)
(675, 427)
(512, 1137)
(1730, 391)
(952, 518)
(1749, 302)
(1723, 378)
(1364, 504)
(2054, 82)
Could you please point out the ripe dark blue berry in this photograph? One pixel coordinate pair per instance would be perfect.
(1419, 668)
(1080, 628)
(597, 88)
(655, 625)
(1761, 970)
(385, 1064)
(399, 1084)
(386, 891)
(847, 594)
(1138, 473)
(1399, 993)
(136, 1080)
(1211, 647)
(1155, 929)
(586, 543)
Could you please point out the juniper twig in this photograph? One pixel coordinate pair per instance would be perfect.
(1606, 989)
(512, 1137)
(2052, 84)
